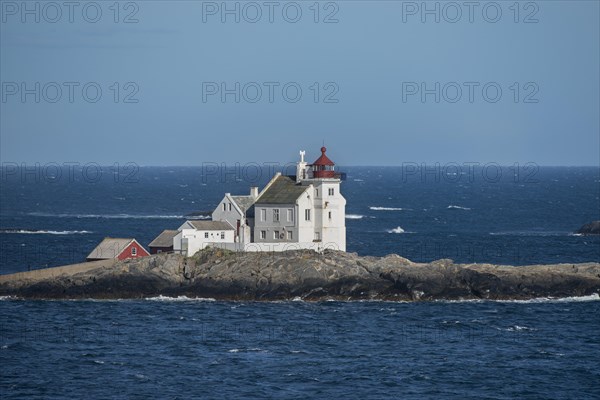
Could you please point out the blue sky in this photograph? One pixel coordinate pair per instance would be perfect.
(382, 82)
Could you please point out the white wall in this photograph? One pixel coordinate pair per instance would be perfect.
(196, 240)
(268, 247)
(306, 229)
(331, 230)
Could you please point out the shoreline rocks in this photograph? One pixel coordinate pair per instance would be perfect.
(593, 228)
(224, 275)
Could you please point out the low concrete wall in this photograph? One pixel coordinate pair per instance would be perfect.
(270, 247)
(47, 273)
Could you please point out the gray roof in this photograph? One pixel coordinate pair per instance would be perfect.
(210, 225)
(283, 190)
(110, 248)
(165, 239)
(243, 202)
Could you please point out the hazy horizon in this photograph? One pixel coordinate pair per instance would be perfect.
(174, 83)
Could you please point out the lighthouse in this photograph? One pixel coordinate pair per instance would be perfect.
(328, 226)
(305, 211)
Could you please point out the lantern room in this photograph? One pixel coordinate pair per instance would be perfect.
(323, 167)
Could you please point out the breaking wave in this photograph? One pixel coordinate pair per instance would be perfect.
(178, 298)
(389, 209)
(354, 216)
(108, 216)
(397, 229)
(532, 233)
(41, 232)
(571, 299)
(198, 217)
(453, 207)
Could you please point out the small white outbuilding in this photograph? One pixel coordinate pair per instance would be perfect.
(194, 236)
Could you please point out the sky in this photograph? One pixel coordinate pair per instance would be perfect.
(379, 82)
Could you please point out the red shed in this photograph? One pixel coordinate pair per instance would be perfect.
(119, 248)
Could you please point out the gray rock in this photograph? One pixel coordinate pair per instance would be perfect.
(593, 228)
(226, 275)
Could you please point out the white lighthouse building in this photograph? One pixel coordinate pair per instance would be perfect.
(305, 211)
(307, 208)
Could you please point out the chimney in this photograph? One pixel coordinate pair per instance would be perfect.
(254, 192)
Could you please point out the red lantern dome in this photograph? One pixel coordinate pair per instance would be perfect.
(323, 167)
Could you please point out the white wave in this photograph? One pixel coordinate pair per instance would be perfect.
(179, 298)
(6, 298)
(453, 207)
(591, 297)
(358, 180)
(253, 349)
(521, 328)
(573, 299)
(389, 209)
(397, 229)
(354, 216)
(108, 216)
(531, 233)
(42, 232)
(199, 217)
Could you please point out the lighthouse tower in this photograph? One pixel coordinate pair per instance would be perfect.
(328, 204)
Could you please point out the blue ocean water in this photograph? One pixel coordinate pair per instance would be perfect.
(512, 215)
(183, 348)
(200, 349)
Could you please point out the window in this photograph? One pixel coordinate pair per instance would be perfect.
(229, 206)
(307, 214)
(329, 214)
(290, 235)
(331, 191)
(206, 235)
(276, 215)
(224, 207)
(316, 192)
(134, 251)
(275, 234)
(263, 234)
(222, 235)
(290, 215)
(263, 214)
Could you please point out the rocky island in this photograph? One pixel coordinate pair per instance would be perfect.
(593, 228)
(226, 275)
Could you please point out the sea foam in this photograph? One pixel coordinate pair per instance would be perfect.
(397, 229)
(354, 216)
(389, 208)
(453, 207)
(41, 232)
(178, 298)
(108, 216)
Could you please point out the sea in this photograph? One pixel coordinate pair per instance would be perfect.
(179, 348)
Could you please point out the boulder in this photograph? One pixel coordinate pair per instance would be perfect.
(593, 228)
